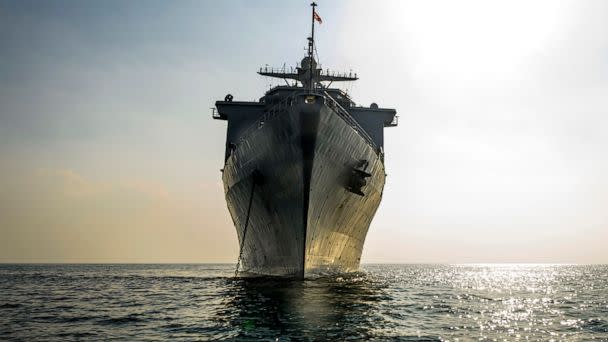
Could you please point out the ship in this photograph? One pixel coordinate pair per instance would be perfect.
(303, 171)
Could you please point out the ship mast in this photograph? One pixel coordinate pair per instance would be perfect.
(311, 46)
(308, 74)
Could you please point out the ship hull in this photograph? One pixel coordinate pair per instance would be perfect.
(286, 186)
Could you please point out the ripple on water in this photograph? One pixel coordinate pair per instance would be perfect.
(384, 302)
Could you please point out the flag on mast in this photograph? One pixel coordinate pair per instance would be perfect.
(317, 17)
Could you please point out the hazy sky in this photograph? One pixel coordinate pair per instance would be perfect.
(108, 152)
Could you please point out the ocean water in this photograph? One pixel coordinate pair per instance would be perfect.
(382, 302)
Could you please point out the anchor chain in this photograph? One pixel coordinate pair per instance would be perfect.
(257, 179)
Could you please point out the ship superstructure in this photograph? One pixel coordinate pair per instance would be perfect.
(303, 172)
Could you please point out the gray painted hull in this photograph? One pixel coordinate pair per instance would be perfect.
(302, 218)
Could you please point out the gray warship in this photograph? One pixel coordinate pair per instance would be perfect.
(303, 172)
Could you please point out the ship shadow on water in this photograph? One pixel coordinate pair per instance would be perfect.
(342, 307)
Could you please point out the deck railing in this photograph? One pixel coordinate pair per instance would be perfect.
(283, 70)
(292, 70)
(343, 113)
(270, 113)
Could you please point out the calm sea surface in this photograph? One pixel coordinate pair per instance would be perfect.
(383, 302)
